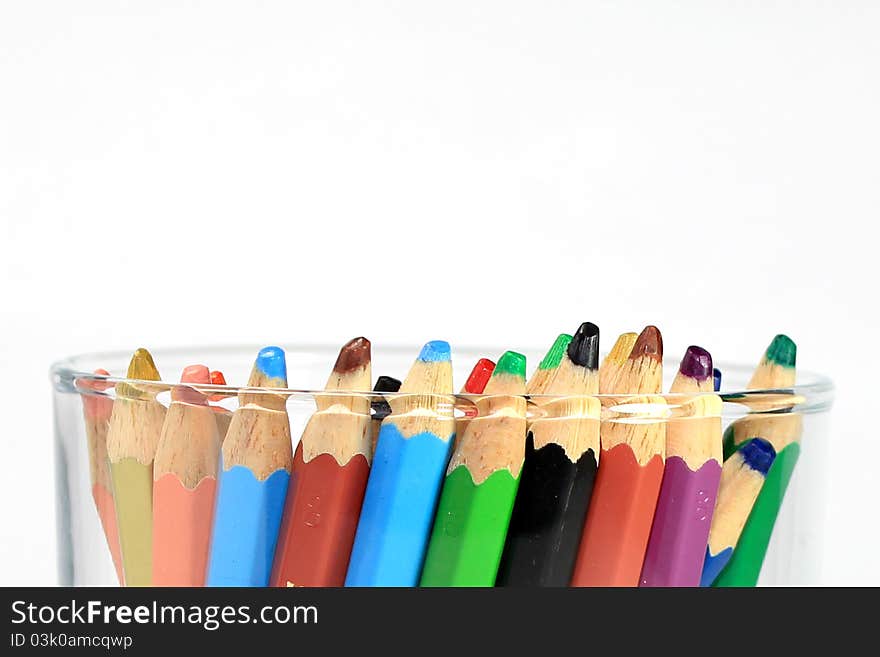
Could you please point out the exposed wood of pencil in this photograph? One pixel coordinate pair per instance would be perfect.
(615, 359)
(572, 422)
(495, 439)
(190, 442)
(642, 373)
(424, 402)
(547, 367)
(259, 433)
(136, 420)
(779, 429)
(694, 434)
(777, 366)
(737, 492)
(644, 430)
(341, 426)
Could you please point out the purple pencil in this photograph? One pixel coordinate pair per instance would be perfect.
(679, 534)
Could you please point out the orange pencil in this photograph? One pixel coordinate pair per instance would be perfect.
(96, 413)
(184, 485)
(633, 450)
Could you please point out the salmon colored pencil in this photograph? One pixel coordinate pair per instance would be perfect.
(135, 427)
(625, 494)
(96, 413)
(330, 470)
(184, 485)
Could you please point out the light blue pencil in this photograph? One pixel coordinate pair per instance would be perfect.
(414, 446)
(253, 480)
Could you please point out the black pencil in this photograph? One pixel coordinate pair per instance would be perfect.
(558, 473)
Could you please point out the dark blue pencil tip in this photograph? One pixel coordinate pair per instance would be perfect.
(435, 351)
(271, 362)
(716, 375)
(758, 454)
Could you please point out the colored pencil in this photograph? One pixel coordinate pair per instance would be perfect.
(547, 367)
(783, 429)
(256, 462)
(677, 545)
(560, 465)
(184, 485)
(411, 456)
(480, 486)
(223, 416)
(330, 469)
(97, 409)
(615, 359)
(742, 479)
(135, 427)
(716, 379)
(621, 511)
(474, 385)
(380, 407)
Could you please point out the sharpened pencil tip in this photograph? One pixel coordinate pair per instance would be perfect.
(716, 375)
(435, 351)
(554, 356)
(622, 348)
(782, 351)
(272, 363)
(387, 384)
(479, 376)
(583, 350)
(217, 378)
(142, 366)
(511, 363)
(758, 454)
(696, 364)
(649, 344)
(195, 374)
(354, 355)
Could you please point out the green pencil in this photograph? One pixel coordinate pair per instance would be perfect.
(783, 430)
(481, 482)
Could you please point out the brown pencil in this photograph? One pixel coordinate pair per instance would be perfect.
(330, 470)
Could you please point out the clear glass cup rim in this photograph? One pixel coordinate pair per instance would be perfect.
(813, 393)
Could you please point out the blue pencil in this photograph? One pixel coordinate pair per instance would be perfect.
(716, 378)
(414, 446)
(742, 478)
(253, 480)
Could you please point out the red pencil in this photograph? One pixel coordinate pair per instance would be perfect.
(330, 470)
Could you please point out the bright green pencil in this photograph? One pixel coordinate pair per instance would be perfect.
(481, 482)
(783, 430)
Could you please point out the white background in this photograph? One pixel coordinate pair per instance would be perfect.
(486, 172)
